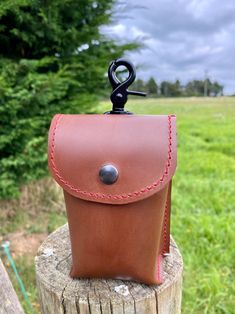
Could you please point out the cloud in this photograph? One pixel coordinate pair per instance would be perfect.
(182, 38)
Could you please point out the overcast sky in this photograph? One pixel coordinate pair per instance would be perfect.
(183, 39)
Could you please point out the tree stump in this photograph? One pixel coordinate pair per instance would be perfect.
(59, 293)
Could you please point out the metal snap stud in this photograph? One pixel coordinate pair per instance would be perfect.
(108, 174)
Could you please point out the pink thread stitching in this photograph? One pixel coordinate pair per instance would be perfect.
(110, 196)
(165, 229)
(159, 279)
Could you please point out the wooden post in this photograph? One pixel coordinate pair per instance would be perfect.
(59, 293)
(9, 303)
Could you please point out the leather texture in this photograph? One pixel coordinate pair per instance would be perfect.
(119, 230)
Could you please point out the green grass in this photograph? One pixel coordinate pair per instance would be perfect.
(40, 209)
(203, 209)
(25, 267)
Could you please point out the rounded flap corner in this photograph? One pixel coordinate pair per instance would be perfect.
(142, 149)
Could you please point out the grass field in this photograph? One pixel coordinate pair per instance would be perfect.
(203, 209)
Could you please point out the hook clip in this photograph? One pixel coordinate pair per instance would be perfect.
(119, 95)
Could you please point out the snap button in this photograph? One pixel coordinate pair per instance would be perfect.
(108, 174)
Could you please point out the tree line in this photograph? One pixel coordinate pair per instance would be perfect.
(176, 89)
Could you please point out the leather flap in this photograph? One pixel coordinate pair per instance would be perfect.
(142, 148)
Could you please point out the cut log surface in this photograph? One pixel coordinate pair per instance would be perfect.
(9, 303)
(59, 293)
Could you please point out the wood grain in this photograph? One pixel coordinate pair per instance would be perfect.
(9, 303)
(59, 293)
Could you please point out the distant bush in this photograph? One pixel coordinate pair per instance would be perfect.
(52, 59)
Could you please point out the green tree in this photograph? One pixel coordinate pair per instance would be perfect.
(164, 88)
(202, 87)
(151, 87)
(177, 88)
(195, 88)
(217, 89)
(169, 89)
(139, 85)
(52, 59)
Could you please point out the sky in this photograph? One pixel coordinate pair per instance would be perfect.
(182, 39)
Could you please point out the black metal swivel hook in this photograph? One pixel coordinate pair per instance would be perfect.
(120, 93)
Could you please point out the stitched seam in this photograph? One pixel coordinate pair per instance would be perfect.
(165, 230)
(159, 279)
(110, 196)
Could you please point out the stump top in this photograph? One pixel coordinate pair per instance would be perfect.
(53, 263)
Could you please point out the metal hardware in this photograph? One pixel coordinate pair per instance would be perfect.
(108, 174)
(120, 93)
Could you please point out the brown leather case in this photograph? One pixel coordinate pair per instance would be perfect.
(119, 230)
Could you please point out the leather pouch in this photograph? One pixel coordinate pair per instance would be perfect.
(119, 230)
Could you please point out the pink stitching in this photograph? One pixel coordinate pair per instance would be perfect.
(159, 279)
(110, 196)
(165, 229)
